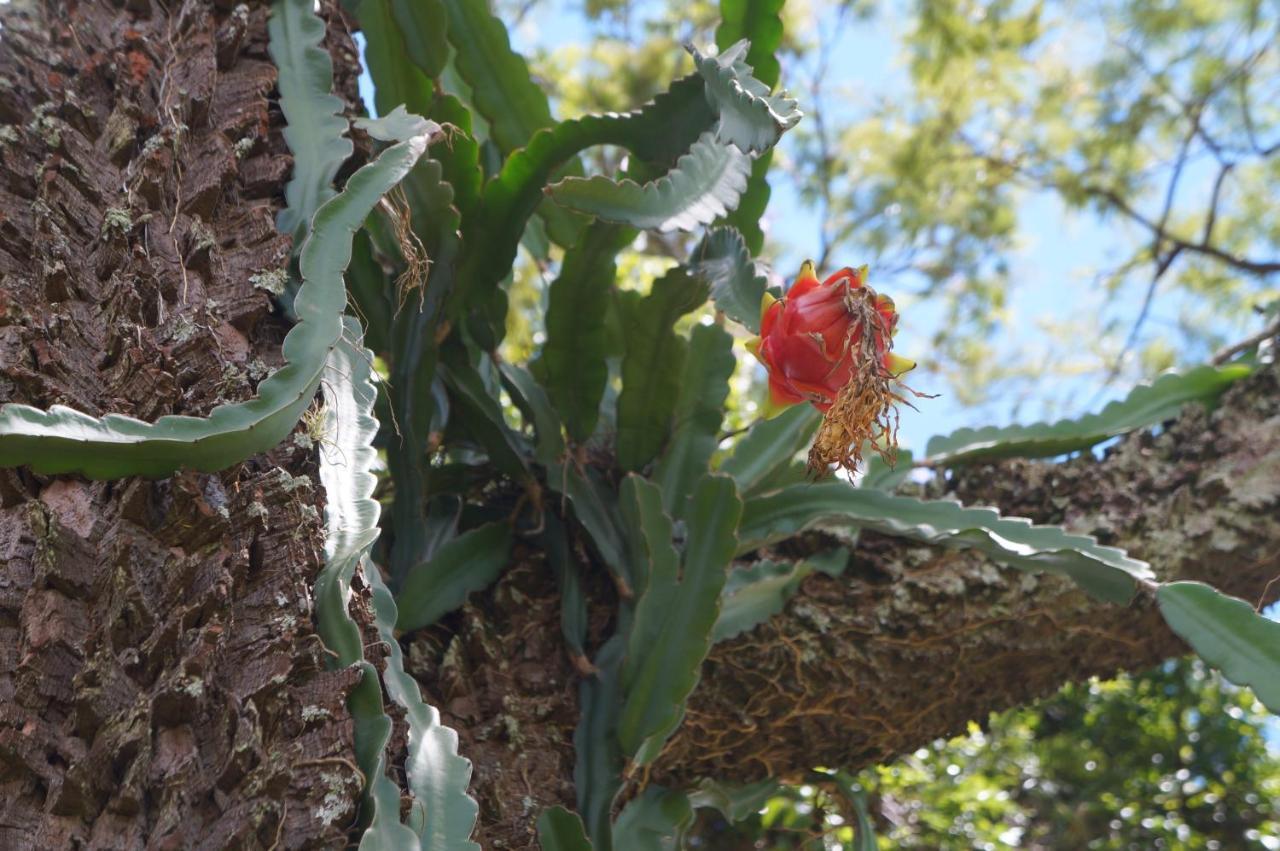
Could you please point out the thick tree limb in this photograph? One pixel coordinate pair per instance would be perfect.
(917, 641)
(910, 645)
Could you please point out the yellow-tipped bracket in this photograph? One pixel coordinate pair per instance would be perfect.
(766, 301)
(898, 365)
(807, 270)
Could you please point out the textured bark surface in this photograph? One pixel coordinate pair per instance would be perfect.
(161, 683)
(909, 645)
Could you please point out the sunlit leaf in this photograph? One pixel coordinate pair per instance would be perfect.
(1105, 572)
(737, 285)
(1146, 405)
(751, 118)
(704, 184)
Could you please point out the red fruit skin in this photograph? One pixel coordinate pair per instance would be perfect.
(808, 345)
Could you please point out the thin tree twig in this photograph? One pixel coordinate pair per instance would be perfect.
(1225, 354)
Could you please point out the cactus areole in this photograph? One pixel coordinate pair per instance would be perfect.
(830, 344)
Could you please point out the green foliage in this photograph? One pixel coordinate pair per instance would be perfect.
(478, 417)
(758, 591)
(460, 160)
(704, 184)
(755, 593)
(595, 506)
(734, 802)
(654, 133)
(501, 88)
(652, 365)
(366, 281)
(593, 502)
(372, 734)
(620, 413)
(881, 476)
(856, 797)
(760, 23)
(351, 526)
(535, 406)
(443, 815)
(1146, 405)
(1227, 633)
(561, 830)
(574, 358)
(751, 118)
(351, 516)
(573, 602)
(315, 128)
(699, 409)
(465, 564)
(677, 609)
(737, 286)
(400, 80)
(598, 763)
(1105, 572)
(670, 134)
(655, 821)
(417, 402)
(769, 445)
(423, 24)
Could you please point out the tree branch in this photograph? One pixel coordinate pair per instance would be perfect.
(909, 645)
(1244, 264)
(914, 642)
(1159, 232)
(1228, 352)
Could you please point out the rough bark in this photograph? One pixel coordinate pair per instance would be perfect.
(909, 645)
(161, 683)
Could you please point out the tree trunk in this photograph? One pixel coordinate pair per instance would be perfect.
(161, 682)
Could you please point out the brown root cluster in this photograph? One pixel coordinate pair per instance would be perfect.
(417, 265)
(865, 410)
